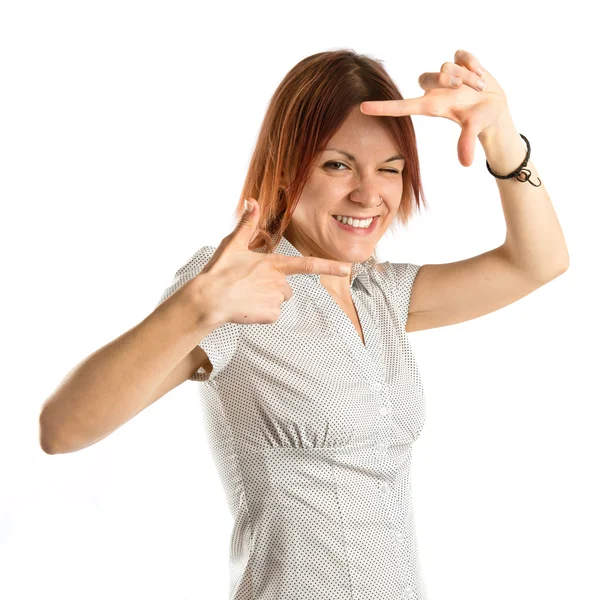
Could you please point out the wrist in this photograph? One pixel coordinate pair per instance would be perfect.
(201, 304)
(504, 147)
(502, 125)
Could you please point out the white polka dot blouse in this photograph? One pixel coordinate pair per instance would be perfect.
(311, 432)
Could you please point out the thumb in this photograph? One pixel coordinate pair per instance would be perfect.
(246, 227)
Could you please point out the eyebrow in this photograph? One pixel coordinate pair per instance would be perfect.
(353, 158)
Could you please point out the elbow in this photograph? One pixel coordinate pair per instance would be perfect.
(562, 267)
(557, 269)
(47, 446)
(46, 443)
(47, 439)
(564, 263)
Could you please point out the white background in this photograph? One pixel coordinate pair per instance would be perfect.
(126, 129)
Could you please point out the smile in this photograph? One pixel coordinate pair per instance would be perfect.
(357, 230)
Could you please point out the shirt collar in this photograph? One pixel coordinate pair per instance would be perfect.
(360, 271)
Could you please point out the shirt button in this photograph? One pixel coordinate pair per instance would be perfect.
(383, 410)
(381, 446)
(377, 387)
(385, 486)
(399, 536)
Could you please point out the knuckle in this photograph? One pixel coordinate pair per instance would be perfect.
(433, 108)
(307, 265)
(446, 78)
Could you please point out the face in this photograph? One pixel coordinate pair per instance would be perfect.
(368, 186)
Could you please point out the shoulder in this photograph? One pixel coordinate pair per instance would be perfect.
(196, 262)
(396, 282)
(396, 278)
(190, 269)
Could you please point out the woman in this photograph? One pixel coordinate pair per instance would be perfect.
(312, 394)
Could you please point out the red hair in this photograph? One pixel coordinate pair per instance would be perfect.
(308, 107)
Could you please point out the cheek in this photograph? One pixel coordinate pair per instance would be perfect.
(313, 202)
(307, 211)
(327, 186)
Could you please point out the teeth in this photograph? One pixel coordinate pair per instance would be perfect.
(358, 223)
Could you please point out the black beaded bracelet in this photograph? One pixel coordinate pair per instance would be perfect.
(520, 174)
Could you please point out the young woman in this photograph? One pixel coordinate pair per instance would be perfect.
(312, 394)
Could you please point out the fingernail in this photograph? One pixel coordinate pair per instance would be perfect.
(454, 81)
(345, 270)
(479, 71)
(248, 206)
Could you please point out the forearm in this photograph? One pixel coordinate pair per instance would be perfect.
(115, 383)
(534, 238)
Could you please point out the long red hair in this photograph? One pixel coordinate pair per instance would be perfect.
(307, 108)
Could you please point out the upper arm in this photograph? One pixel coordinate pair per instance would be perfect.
(196, 359)
(445, 294)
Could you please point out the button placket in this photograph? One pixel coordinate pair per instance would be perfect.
(382, 444)
(381, 447)
(384, 486)
(377, 387)
(409, 592)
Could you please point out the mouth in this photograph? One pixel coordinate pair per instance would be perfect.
(357, 230)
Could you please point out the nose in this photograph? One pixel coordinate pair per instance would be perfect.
(370, 199)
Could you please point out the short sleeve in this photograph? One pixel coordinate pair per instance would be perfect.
(221, 344)
(400, 278)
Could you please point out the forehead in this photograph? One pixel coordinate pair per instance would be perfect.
(360, 131)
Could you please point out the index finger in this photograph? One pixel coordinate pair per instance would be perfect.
(290, 265)
(394, 108)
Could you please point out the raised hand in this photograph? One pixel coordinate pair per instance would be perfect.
(241, 286)
(475, 110)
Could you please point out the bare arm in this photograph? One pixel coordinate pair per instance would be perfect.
(119, 380)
